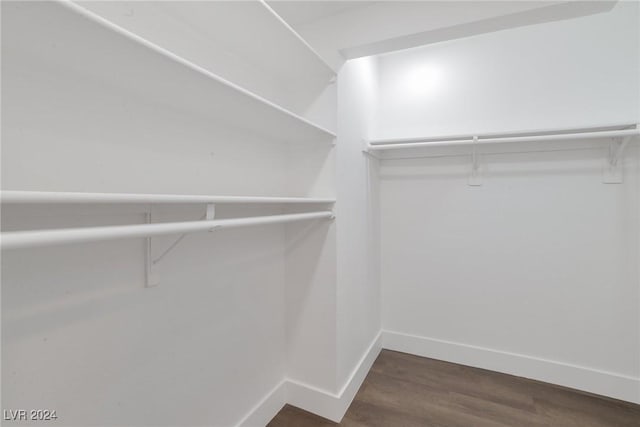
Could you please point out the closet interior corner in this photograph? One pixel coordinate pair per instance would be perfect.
(265, 212)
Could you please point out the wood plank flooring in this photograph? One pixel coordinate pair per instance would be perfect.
(402, 390)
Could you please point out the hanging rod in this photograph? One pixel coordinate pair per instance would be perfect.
(33, 197)
(400, 143)
(26, 239)
(487, 154)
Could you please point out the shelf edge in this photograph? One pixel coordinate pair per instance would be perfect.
(297, 35)
(94, 17)
(69, 197)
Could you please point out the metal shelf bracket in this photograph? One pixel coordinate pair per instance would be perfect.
(211, 212)
(153, 278)
(475, 179)
(151, 271)
(368, 153)
(612, 172)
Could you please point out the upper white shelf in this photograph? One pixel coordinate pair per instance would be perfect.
(35, 197)
(201, 30)
(65, 37)
(297, 48)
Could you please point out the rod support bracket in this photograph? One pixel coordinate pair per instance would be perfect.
(152, 263)
(210, 214)
(475, 178)
(612, 172)
(370, 154)
(152, 278)
(367, 152)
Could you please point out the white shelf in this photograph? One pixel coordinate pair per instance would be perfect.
(65, 37)
(290, 37)
(199, 31)
(42, 197)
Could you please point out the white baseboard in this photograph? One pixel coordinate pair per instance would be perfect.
(333, 405)
(604, 383)
(320, 402)
(267, 408)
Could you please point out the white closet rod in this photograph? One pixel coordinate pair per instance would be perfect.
(26, 239)
(382, 145)
(65, 197)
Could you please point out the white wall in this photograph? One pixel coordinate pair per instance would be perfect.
(239, 311)
(310, 297)
(80, 333)
(535, 272)
(568, 73)
(358, 287)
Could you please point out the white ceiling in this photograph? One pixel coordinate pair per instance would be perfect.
(340, 30)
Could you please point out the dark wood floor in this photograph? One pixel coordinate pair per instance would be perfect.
(402, 390)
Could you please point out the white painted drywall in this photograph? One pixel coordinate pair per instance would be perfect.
(358, 299)
(541, 261)
(80, 333)
(524, 78)
(310, 305)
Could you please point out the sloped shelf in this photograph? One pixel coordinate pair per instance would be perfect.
(205, 28)
(288, 35)
(68, 38)
(43, 197)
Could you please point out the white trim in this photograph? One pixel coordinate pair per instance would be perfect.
(334, 405)
(313, 399)
(596, 381)
(267, 408)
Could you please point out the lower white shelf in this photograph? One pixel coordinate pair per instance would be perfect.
(68, 197)
(35, 238)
